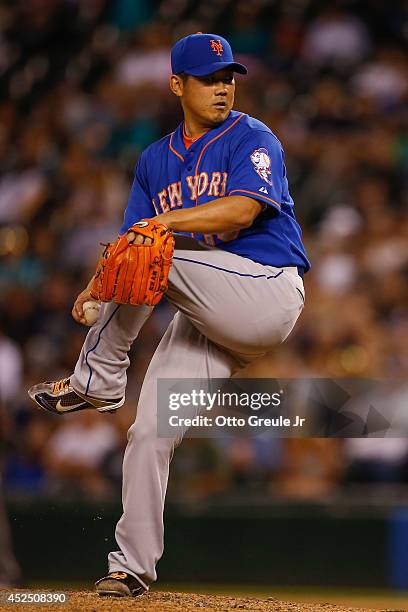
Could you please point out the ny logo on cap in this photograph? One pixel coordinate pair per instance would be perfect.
(217, 47)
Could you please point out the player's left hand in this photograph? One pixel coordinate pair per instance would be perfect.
(132, 238)
(127, 274)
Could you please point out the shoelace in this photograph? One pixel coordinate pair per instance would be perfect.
(61, 385)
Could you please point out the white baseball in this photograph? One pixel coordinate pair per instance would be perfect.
(91, 312)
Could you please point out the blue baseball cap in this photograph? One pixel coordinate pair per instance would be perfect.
(201, 54)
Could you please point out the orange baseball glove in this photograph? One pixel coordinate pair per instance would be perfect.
(135, 273)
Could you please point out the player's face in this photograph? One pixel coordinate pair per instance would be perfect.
(208, 99)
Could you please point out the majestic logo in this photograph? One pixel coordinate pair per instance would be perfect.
(216, 46)
(262, 163)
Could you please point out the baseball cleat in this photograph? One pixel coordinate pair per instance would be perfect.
(60, 397)
(119, 584)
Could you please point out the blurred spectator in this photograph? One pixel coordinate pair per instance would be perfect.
(25, 471)
(336, 38)
(130, 14)
(311, 469)
(147, 59)
(375, 460)
(75, 453)
(247, 33)
(11, 369)
(384, 79)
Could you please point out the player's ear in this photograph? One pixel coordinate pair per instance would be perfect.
(176, 85)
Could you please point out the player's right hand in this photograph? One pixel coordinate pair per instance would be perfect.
(85, 295)
(78, 310)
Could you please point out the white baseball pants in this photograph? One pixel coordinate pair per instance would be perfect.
(230, 311)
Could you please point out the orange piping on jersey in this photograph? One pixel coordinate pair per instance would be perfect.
(174, 150)
(255, 194)
(212, 140)
(208, 143)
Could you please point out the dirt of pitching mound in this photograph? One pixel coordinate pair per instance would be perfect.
(177, 602)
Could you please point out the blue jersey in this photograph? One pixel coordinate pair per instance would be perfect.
(240, 157)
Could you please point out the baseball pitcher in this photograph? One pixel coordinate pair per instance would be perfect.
(209, 222)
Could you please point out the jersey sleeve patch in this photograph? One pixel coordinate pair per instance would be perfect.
(262, 166)
(257, 168)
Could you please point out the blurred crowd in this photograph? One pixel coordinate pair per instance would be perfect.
(83, 90)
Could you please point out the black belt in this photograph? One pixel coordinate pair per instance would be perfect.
(301, 271)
